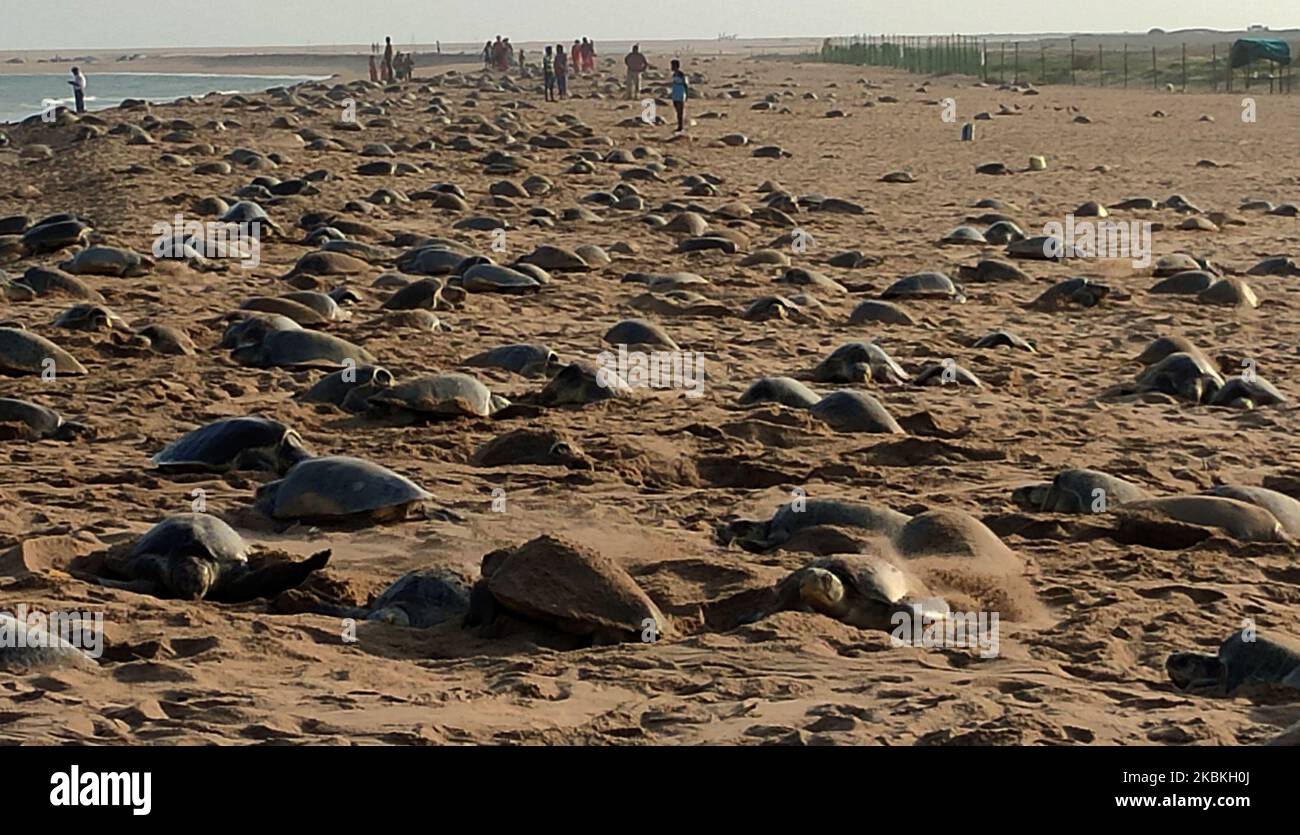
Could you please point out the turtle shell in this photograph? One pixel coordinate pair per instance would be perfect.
(191, 534)
(23, 352)
(439, 394)
(336, 487)
(293, 348)
(576, 588)
(223, 443)
(42, 422)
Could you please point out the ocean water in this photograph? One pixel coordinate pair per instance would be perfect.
(24, 95)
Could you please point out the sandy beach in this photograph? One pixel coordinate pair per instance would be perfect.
(1087, 620)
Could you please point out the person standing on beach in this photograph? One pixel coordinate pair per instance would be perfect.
(561, 70)
(388, 59)
(575, 57)
(487, 55)
(680, 91)
(78, 82)
(636, 64)
(548, 72)
(589, 56)
(374, 70)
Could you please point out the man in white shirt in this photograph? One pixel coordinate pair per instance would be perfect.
(78, 82)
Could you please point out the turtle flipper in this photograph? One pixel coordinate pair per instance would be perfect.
(140, 585)
(269, 580)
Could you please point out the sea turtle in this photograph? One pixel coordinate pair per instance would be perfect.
(23, 352)
(349, 388)
(238, 443)
(194, 556)
(530, 360)
(861, 590)
(425, 294)
(1163, 346)
(418, 599)
(853, 411)
(1277, 265)
(992, 269)
(89, 317)
(437, 396)
(1243, 659)
(873, 310)
(1003, 339)
(288, 308)
(1080, 291)
(639, 332)
(1240, 520)
(802, 514)
(1167, 265)
(1246, 392)
(579, 383)
(491, 278)
(39, 422)
(531, 447)
(1284, 508)
(784, 390)
(953, 533)
(251, 328)
(166, 339)
(54, 234)
(108, 260)
(1230, 292)
(47, 281)
(340, 488)
(1187, 282)
(1078, 491)
(300, 349)
(964, 236)
(1039, 248)
(926, 285)
(1004, 231)
(800, 277)
(28, 649)
(1187, 376)
(856, 362)
(556, 259)
(567, 586)
(943, 373)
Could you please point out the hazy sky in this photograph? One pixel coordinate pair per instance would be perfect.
(111, 24)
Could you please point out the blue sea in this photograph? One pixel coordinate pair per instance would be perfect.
(24, 95)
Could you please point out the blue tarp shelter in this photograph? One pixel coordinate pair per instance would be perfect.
(1248, 50)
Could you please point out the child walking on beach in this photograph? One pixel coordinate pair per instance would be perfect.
(680, 91)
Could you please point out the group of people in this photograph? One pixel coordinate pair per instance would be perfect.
(500, 55)
(399, 66)
(555, 73)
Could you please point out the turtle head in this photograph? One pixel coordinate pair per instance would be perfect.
(71, 430)
(264, 498)
(564, 453)
(1032, 496)
(1194, 672)
(823, 591)
(192, 578)
(290, 452)
(391, 615)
